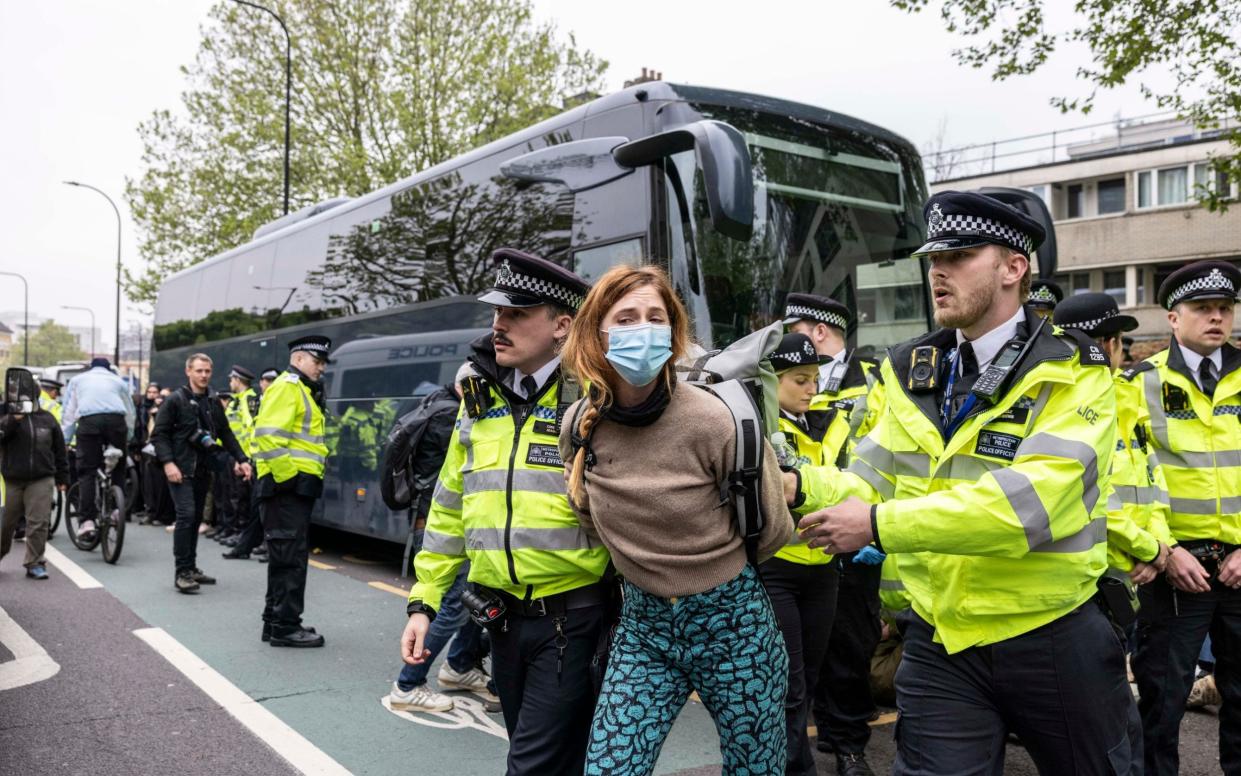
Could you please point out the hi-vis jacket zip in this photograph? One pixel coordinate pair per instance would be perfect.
(288, 432)
(1002, 528)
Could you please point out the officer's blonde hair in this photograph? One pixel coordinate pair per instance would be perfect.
(585, 357)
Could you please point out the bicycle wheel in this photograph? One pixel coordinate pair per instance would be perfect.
(73, 520)
(57, 508)
(112, 527)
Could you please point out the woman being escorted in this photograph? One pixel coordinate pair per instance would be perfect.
(646, 481)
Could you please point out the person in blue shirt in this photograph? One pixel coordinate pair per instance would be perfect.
(100, 410)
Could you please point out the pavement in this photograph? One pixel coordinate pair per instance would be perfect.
(108, 670)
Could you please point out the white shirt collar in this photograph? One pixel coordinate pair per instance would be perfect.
(825, 370)
(988, 345)
(540, 377)
(1194, 362)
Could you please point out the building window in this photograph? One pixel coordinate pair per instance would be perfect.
(1076, 201)
(1140, 295)
(1073, 283)
(1041, 191)
(1173, 185)
(1144, 188)
(1112, 196)
(1114, 285)
(1179, 185)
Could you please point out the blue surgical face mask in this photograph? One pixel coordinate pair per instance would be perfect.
(640, 351)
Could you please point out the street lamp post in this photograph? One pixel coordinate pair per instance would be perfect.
(26, 313)
(288, 89)
(92, 325)
(117, 355)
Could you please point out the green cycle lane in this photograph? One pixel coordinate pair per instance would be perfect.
(331, 696)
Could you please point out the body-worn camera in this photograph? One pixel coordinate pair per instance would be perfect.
(924, 368)
(485, 608)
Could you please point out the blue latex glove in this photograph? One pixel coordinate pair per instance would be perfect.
(869, 556)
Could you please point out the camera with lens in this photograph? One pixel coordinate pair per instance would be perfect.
(485, 607)
(204, 441)
(924, 369)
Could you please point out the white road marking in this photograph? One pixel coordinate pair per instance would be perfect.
(70, 569)
(288, 743)
(31, 662)
(466, 713)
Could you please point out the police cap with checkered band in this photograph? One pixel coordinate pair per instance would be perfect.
(816, 309)
(315, 344)
(526, 280)
(795, 350)
(1200, 280)
(956, 220)
(1095, 314)
(1045, 294)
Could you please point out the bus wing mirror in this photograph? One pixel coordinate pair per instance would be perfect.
(725, 163)
(578, 165)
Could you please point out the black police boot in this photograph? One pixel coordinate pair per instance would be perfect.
(266, 631)
(298, 638)
(236, 554)
(853, 764)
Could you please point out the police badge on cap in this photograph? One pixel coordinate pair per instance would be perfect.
(816, 309)
(956, 220)
(1200, 280)
(525, 280)
(795, 350)
(1045, 294)
(314, 344)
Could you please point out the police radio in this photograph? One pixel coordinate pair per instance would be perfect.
(993, 382)
(924, 369)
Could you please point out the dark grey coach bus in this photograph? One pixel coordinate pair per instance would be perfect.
(742, 198)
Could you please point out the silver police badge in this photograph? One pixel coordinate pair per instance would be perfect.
(504, 276)
(936, 221)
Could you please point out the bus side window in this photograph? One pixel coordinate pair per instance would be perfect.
(592, 262)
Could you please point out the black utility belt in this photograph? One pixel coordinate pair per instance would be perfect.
(1209, 552)
(596, 594)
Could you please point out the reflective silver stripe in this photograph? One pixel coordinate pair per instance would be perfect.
(524, 538)
(1220, 459)
(1094, 533)
(885, 489)
(1043, 397)
(1114, 502)
(966, 467)
(443, 544)
(529, 480)
(891, 584)
(314, 439)
(264, 455)
(1133, 494)
(463, 436)
(1225, 458)
(1206, 506)
(904, 464)
(1154, 405)
(305, 392)
(1026, 505)
(857, 415)
(1058, 447)
(446, 497)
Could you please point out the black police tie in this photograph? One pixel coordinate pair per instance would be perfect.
(529, 386)
(1208, 380)
(969, 375)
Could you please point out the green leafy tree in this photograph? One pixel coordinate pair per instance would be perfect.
(49, 344)
(1195, 42)
(381, 89)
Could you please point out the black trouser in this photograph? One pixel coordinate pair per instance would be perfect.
(239, 504)
(1171, 628)
(804, 600)
(158, 497)
(843, 705)
(188, 497)
(286, 525)
(251, 535)
(94, 433)
(548, 698)
(1061, 688)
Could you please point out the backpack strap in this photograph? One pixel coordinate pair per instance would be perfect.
(743, 481)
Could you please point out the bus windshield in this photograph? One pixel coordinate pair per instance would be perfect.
(836, 213)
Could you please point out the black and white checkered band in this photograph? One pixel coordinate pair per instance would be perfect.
(806, 355)
(816, 314)
(317, 348)
(1212, 281)
(1043, 295)
(508, 280)
(940, 225)
(1091, 324)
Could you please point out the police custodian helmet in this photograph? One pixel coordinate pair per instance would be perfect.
(956, 220)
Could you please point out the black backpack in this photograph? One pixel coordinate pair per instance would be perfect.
(400, 484)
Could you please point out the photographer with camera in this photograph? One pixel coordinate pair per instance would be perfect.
(191, 436)
(34, 466)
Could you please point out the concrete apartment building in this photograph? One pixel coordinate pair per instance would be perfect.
(1126, 210)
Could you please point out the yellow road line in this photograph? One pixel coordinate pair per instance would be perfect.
(389, 588)
(321, 565)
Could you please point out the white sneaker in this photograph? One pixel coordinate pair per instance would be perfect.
(86, 526)
(421, 698)
(474, 680)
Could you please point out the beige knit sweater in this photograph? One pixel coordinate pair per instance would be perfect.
(653, 497)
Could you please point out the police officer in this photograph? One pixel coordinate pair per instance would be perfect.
(49, 396)
(849, 388)
(500, 501)
(1187, 400)
(291, 455)
(241, 410)
(984, 474)
(1044, 296)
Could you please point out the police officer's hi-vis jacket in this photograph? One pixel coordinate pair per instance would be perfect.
(857, 400)
(240, 413)
(1137, 501)
(1195, 441)
(1000, 529)
(288, 437)
(807, 441)
(501, 500)
(46, 402)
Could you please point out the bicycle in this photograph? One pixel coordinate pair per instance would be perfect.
(110, 499)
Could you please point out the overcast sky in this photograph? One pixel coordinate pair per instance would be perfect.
(76, 78)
